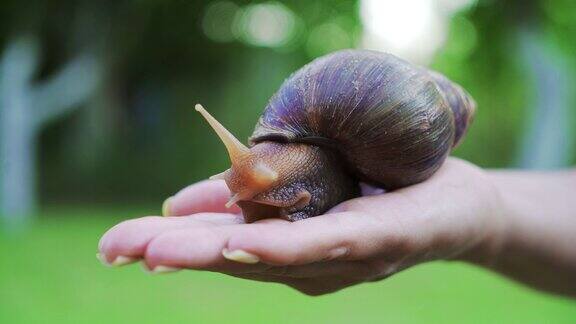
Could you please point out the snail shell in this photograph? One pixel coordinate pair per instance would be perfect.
(392, 122)
(350, 116)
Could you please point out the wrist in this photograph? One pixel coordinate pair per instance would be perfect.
(494, 218)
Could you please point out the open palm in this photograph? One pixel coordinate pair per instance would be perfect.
(453, 215)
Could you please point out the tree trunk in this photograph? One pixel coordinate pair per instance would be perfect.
(25, 108)
(18, 150)
(17, 196)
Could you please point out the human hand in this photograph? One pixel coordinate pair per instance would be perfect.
(453, 215)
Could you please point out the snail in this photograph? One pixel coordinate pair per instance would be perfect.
(348, 117)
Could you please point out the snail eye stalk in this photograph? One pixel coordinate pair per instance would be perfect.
(255, 177)
(235, 148)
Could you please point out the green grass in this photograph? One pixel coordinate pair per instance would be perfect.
(49, 274)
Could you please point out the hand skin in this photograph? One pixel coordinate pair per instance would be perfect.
(521, 224)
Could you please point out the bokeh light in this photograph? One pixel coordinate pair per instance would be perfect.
(218, 19)
(328, 37)
(463, 38)
(413, 29)
(268, 24)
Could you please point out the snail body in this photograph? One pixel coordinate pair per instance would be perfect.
(350, 116)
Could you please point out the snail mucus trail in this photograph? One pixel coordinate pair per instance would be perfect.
(350, 116)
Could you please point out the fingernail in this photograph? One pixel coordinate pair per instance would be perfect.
(337, 253)
(240, 256)
(166, 206)
(102, 258)
(159, 269)
(165, 269)
(119, 261)
(123, 260)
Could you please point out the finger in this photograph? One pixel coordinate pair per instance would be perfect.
(204, 196)
(341, 236)
(328, 237)
(129, 238)
(198, 248)
(438, 218)
(201, 248)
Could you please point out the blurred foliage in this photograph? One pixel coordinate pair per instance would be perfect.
(139, 139)
(482, 55)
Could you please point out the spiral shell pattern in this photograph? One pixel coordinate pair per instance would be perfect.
(393, 123)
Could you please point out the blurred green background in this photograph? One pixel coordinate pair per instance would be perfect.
(97, 126)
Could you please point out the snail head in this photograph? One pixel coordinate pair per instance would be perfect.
(272, 179)
(249, 174)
